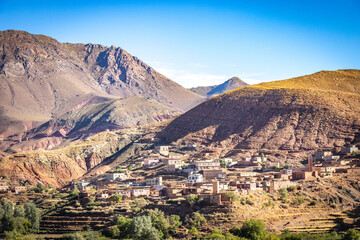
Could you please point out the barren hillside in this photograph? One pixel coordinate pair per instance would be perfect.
(305, 113)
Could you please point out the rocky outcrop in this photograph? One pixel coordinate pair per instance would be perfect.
(41, 79)
(59, 167)
(306, 113)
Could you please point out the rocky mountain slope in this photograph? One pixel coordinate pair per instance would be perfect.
(41, 79)
(228, 85)
(320, 110)
(92, 156)
(90, 119)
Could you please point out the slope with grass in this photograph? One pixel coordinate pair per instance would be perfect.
(320, 110)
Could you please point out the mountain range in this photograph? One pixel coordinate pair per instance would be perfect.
(58, 95)
(46, 82)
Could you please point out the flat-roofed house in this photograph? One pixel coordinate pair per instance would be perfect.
(213, 173)
(115, 176)
(140, 191)
(156, 181)
(206, 164)
(195, 177)
(162, 149)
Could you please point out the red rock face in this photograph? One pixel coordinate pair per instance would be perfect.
(92, 160)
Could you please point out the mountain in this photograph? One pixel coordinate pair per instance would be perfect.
(320, 110)
(95, 155)
(41, 79)
(88, 120)
(228, 85)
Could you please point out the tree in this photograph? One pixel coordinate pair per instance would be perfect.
(123, 225)
(231, 196)
(33, 215)
(283, 194)
(73, 194)
(116, 198)
(193, 231)
(174, 222)
(21, 225)
(142, 228)
(7, 221)
(39, 188)
(253, 229)
(191, 199)
(19, 211)
(223, 163)
(159, 221)
(262, 157)
(197, 220)
(352, 234)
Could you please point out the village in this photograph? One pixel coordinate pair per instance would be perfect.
(160, 173)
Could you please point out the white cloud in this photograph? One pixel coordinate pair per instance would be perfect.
(190, 79)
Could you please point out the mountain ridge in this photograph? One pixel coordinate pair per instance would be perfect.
(315, 111)
(42, 78)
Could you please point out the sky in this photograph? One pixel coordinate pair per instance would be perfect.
(202, 43)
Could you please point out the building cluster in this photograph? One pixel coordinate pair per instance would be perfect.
(214, 180)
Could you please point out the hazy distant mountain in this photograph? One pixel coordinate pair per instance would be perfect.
(228, 85)
(320, 110)
(41, 79)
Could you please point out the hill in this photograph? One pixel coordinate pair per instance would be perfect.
(88, 120)
(228, 85)
(320, 110)
(41, 79)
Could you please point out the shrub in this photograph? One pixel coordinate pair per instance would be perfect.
(283, 194)
(193, 231)
(142, 228)
(197, 220)
(116, 198)
(292, 188)
(352, 234)
(191, 199)
(300, 200)
(73, 194)
(253, 229)
(312, 203)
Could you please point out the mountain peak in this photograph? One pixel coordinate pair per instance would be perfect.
(230, 84)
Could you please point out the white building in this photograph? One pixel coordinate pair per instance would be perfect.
(115, 176)
(135, 192)
(194, 177)
(151, 162)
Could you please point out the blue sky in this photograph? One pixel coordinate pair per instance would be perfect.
(206, 42)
